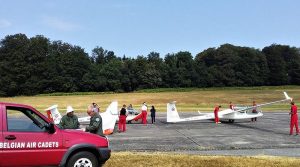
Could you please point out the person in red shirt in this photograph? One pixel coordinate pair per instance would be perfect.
(254, 110)
(294, 119)
(231, 106)
(217, 108)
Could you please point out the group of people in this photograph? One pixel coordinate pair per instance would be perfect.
(144, 111)
(231, 106)
(70, 120)
(293, 113)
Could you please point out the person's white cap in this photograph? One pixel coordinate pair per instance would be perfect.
(69, 109)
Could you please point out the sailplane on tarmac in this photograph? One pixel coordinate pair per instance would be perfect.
(227, 114)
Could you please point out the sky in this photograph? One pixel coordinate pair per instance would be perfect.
(138, 27)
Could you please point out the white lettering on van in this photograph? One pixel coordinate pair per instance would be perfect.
(20, 145)
(12, 145)
(31, 145)
(48, 144)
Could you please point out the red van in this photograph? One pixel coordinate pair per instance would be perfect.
(28, 138)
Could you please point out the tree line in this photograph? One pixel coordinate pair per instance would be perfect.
(30, 66)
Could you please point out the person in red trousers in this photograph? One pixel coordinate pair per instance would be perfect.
(294, 119)
(231, 106)
(254, 110)
(217, 108)
(144, 113)
(122, 119)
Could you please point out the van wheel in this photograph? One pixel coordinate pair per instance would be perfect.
(83, 159)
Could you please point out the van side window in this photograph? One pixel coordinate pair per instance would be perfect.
(24, 120)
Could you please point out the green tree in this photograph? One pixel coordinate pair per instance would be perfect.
(111, 71)
(98, 55)
(139, 69)
(231, 65)
(153, 71)
(66, 65)
(277, 65)
(251, 67)
(186, 69)
(171, 77)
(128, 80)
(36, 59)
(13, 67)
(291, 56)
(203, 60)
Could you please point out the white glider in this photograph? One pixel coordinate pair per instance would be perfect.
(227, 114)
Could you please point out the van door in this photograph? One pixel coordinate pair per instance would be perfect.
(27, 141)
(1, 135)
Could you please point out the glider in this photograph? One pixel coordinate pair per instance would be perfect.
(227, 114)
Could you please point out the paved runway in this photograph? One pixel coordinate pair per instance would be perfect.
(268, 136)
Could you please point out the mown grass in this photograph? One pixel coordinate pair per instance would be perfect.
(216, 89)
(127, 159)
(188, 99)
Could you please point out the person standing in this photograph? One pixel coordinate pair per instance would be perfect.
(231, 106)
(144, 113)
(95, 125)
(217, 108)
(152, 110)
(70, 120)
(294, 119)
(96, 108)
(122, 119)
(254, 110)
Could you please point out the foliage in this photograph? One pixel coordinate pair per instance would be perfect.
(30, 66)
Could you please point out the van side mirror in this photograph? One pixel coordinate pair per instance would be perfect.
(50, 128)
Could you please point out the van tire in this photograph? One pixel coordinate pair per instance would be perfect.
(85, 158)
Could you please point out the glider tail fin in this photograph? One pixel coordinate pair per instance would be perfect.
(113, 108)
(287, 97)
(109, 118)
(53, 114)
(172, 114)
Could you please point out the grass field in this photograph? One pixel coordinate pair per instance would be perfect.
(192, 99)
(188, 99)
(126, 159)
